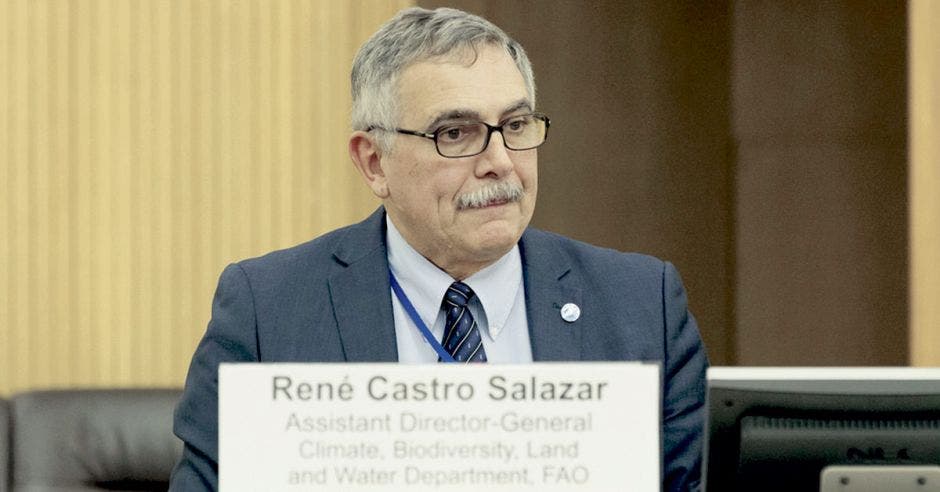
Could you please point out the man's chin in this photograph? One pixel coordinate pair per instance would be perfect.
(496, 227)
(496, 238)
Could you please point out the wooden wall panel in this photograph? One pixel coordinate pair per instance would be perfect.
(924, 107)
(820, 127)
(143, 146)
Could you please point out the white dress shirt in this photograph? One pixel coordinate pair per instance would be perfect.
(498, 307)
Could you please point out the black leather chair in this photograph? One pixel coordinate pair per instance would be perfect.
(85, 440)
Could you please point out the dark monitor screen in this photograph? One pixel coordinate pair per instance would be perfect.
(776, 429)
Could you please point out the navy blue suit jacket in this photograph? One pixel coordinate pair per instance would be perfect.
(323, 301)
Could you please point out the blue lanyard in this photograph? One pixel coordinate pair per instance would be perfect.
(413, 314)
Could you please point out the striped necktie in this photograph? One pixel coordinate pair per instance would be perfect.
(461, 334)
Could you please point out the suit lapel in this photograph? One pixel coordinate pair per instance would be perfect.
(360, 294)
(549, 283)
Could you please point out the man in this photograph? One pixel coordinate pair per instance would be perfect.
(445, 135)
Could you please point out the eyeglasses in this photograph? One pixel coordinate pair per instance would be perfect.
(522, 132)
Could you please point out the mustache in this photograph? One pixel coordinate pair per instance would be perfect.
(498, 192)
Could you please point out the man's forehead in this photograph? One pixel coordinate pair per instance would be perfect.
(486, 86)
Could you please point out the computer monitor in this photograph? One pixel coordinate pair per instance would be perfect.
(776, 429)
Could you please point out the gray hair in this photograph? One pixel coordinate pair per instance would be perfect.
(414, 35)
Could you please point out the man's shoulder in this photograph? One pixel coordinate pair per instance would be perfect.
(320, 254)
(317, 249)
(585, 254)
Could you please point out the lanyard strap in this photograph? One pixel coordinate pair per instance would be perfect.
(413, 314)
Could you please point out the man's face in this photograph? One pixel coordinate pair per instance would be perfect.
(424, 189)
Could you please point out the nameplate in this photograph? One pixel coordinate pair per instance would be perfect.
(443, 427)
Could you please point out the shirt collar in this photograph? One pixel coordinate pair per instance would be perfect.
(496, 286)
(425, 284)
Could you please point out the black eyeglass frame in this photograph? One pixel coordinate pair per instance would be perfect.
(490, 129)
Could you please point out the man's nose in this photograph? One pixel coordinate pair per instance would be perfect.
(495, 159)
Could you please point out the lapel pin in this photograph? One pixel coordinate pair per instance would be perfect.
(570, 312)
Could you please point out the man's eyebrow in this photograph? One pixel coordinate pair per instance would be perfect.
(472, 115)
(453, 114)
(520, 104)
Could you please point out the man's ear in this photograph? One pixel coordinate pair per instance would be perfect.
(367, 157)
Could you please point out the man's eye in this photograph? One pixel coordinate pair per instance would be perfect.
(517, 125)
(452, 134)
(455, 133)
